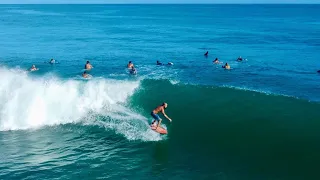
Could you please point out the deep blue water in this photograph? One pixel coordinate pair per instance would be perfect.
(280, 42)
(52, 121)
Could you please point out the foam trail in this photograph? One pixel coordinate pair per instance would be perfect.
(28, 102)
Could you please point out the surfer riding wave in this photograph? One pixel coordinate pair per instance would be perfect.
(156, 117)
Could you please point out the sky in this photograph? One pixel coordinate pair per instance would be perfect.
(154, 1)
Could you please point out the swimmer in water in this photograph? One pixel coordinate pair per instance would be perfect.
(239, 58)
(130, 65)
(216, 61)
(52, 61)
(226, 66)
(159, 63)
(155, 115)
(85, 74)
(88, 66)
(206, 54)
(33, 68)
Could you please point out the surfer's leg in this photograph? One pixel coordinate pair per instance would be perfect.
(159, 122)
(154, 118)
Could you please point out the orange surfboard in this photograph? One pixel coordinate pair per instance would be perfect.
(160, 130)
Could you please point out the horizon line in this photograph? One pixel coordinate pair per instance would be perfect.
(160, 3)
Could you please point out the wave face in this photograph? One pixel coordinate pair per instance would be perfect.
(213, 125)
(36, 102)
(248, 129)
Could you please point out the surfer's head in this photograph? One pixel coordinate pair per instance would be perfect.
(130, 62)
(165, 105)
(88, 62)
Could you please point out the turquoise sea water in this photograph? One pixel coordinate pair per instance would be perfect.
(260, 120)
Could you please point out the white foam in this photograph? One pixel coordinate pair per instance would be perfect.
(28, 102)
(174, 82)
(32, 12)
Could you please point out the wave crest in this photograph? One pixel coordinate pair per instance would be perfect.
(30, 102)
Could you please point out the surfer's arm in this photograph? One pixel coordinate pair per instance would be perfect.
(166, 115)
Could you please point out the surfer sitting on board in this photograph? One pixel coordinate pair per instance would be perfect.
(130, 65)
(155, 115)
(216, 61)
(88, 66)
(52, 61)
(227, 66)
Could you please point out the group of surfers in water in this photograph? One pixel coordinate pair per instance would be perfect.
(226, 66)
(88, 67)
(133, 70)
(85, 74)
(34, 68)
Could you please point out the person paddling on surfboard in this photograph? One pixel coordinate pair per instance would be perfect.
(159, 63)
(155, 115)
(85, 74)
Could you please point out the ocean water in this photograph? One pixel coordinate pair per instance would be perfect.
(258, 121)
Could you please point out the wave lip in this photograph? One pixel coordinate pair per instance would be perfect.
(28, 102)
